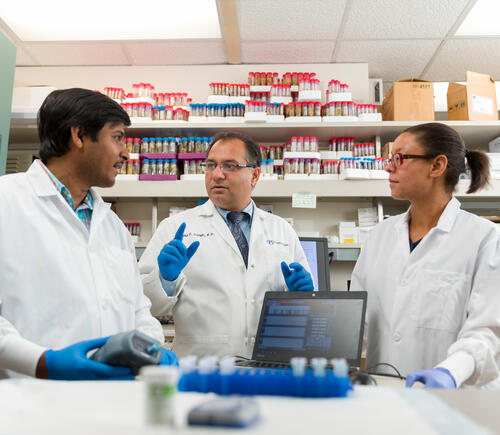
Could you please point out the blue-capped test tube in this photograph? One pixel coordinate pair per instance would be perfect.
(340, 367)
(226, 370)
(188, 380)
(206, 369)
(319, 371)
(319, 366)
(299, 364)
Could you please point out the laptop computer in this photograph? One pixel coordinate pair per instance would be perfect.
(311, 325)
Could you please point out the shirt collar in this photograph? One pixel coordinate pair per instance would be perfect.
(87, 202)
(248, 210)
(446, 220)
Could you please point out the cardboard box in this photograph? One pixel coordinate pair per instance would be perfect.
(409, 100)
(474, 101)
(348, 232)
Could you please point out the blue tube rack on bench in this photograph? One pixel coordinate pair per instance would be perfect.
(295, 382)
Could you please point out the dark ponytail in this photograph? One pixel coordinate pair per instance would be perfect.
(439, 139)
(479, 165)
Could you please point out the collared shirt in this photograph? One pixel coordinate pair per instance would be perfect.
(84, 210)
(413, 245)
(246, 223)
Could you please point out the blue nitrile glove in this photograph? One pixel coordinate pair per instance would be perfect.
(174, 256)
(168, 358)
(435, 378)
(72, 364)
(297, 278)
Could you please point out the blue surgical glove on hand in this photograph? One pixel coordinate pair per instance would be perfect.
(168, 358)
(435, 378)
(174, 256)
(297, 279)
(72, 364)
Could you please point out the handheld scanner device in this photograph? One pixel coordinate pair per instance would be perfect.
(131, 349)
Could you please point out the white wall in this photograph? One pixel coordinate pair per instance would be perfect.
(193, 79)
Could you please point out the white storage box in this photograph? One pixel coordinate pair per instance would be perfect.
(370, 117)
(197, 118)
(284, 100)
(302, 177)
(354, 174)
(304, 119)
(255, 117)
(309, 96)
(378, 174)
(275, 118)
(328, 155)
(340, 119)
(348, 232)
(130, 177)
(301, 155)
(215, 119)
(339, 96)
(240, 100)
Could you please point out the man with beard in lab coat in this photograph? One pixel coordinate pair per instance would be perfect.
(67, 263)
(212, 265)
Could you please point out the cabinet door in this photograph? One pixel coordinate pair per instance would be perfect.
(7, 67)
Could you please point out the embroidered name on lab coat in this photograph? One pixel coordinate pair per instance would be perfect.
(275, 242)
(199, 234)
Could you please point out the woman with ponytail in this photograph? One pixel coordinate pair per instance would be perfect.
(433, 273)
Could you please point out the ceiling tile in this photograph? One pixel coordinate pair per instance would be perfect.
(460, 55)
(23, 58)
(280, 20)
(178, 52)
(287, 52)
(389, 60)
(398, 19)
(93, 53)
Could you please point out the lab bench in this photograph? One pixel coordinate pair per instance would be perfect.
(37, 406)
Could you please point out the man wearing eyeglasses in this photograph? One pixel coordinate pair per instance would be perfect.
(210, 266)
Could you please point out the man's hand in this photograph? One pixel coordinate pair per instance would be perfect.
(72, 363)
(297, 278)
(175, 256)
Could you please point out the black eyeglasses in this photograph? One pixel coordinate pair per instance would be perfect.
(398, 158)
(225, 166)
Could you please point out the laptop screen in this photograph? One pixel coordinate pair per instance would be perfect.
(319, 324)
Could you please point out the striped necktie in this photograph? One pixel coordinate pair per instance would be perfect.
(235, 218)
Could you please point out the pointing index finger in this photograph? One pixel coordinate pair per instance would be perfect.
(179, 235)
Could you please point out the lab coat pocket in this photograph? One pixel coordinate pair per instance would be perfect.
(440, 298)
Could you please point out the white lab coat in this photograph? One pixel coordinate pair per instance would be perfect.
(60, 283)
(439, 305)
(218, 301)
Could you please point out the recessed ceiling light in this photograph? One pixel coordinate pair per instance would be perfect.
(101, 20)
(482, 20)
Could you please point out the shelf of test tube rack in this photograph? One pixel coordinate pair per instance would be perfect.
(475, 133)
(225, 379)
(322, 188)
